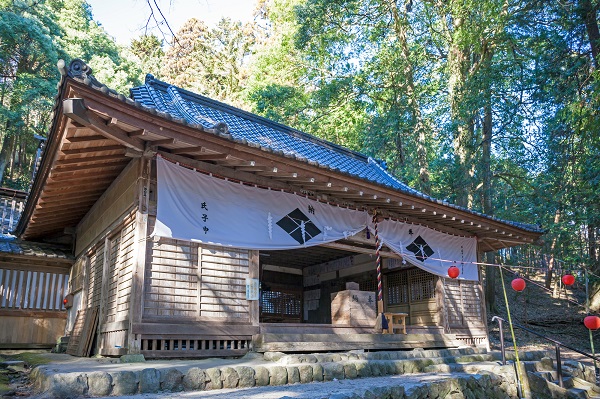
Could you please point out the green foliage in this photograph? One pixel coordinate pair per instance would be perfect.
(212, 62)
(372, 74)
(34, 35)
(492, 104)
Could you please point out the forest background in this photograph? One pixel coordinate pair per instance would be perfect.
(490, 104)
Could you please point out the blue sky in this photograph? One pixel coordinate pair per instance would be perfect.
(125, 19)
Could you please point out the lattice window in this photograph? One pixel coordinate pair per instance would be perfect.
(397, 287)
(369, 284)
(422, 285)
(278, 304)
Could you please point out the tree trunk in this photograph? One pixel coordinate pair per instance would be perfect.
(400, 25)
(588, 12)
(462, 119)
(592, 247)
(486, 169)
(552, 255)
(5, 153)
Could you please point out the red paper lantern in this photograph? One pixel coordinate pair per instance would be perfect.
(518, 284)
(568, 279)
(592, 322)
(453, 272)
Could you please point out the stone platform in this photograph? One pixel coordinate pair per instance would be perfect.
(466, 372)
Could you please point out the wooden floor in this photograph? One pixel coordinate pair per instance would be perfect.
(325, 338)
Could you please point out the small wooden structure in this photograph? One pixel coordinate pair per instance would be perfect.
(96, 187)
(33, 282)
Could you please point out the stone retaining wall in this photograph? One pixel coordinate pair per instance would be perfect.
(286, 369)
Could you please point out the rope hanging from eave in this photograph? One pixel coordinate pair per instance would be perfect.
(381, 322)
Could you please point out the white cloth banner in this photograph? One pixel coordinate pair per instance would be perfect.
(429, 249)
(196, 207)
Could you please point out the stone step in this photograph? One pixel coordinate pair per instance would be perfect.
(284, 370)
(362, 355)
(344, 342)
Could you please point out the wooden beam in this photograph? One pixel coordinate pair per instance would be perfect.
(114, 133)
(211, 157)
(53, 207)
(138, 133)
(71, 216)
(82, 173)
(75, 109)
(95, 180)
(72, 151)
(192, 136)
(85, 139)
(361, 250)
(68, 161)
(187, 150)
(62, 190)
(163, 142)
(87, 166)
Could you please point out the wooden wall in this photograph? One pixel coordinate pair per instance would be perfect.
(413, 291)
(107, 284)
(107, 255)
(31, 307)
(195, 300)
(187, 281)
(116, 201)
(464, 310)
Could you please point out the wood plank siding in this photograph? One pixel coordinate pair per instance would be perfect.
(185, 283)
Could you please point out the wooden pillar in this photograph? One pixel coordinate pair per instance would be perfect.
(441, 304)
(253, 272)
(140, 248)
(103, 291)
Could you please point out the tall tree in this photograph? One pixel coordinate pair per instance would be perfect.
(212, 62)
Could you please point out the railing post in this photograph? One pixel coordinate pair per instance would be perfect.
(559, 367)
(501, 341)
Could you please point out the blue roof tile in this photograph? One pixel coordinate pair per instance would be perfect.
(243, 126)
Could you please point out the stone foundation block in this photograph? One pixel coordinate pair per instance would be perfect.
(194, 379)
(277, 375)
(261, 374)
(333, 371)
(149, 381)
(306, 373)
(124, 383)
(99, 384)
(246, 376)
(293, 374)
(171, 380)
(230, 377)
(213, 378)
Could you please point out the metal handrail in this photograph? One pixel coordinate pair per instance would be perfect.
(557, 345)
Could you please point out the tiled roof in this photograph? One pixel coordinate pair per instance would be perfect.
(196, 110)
(199, 110)
(10, 245)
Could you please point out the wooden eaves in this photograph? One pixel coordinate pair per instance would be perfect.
(96, 132)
